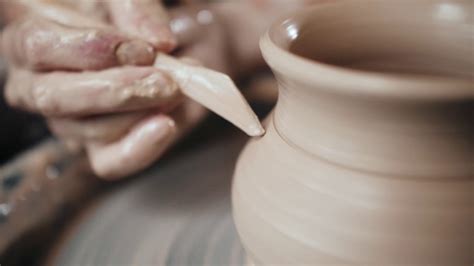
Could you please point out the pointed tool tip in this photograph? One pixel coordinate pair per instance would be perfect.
(255, 130)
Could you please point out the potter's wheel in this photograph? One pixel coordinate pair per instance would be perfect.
(177, 213)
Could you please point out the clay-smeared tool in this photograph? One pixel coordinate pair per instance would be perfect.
(214, 90)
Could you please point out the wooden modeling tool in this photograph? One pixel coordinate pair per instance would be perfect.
(214, 90)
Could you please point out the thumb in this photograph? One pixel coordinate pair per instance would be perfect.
(145, 19)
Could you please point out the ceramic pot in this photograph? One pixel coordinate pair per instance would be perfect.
(368, 155)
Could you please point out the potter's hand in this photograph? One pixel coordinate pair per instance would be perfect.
(68, 66)
(82, 38)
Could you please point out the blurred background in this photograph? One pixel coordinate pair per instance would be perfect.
(23, 129)
(52, 208)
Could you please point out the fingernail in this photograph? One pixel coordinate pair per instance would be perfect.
(135, 52)
(159, 35)
(165, 128)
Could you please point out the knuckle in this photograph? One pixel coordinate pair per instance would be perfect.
(155, 87)
(100, 42)
(35, 46)
(27, 40)
(42, 99)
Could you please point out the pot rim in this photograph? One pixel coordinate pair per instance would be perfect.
(353, 81)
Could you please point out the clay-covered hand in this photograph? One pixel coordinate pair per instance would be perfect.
(86, 66)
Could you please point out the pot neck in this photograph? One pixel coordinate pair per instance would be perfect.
(389, 136)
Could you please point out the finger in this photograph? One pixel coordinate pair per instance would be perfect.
(138, 149)
(65, 13)
(145, 19)
(105, 128)
(11, 10)
(60, 94)
(65, 10)
(185, 118)
(41, 44)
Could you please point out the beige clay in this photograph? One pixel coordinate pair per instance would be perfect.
(368, 155)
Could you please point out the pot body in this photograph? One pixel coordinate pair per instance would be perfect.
(350, 176)
(292, 207)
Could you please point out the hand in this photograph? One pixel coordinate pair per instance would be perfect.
(120, 114)
(224, 35)
(68, 66)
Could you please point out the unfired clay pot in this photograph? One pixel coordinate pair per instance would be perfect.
(368, 155)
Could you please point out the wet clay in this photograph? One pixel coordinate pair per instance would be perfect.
(214, 90)
(368, 155)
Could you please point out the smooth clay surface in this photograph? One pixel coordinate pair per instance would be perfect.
(368, 155)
